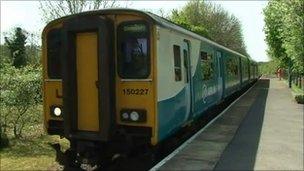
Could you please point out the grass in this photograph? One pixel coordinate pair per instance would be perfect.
(30, 154)
(296, 90)
(33, 151)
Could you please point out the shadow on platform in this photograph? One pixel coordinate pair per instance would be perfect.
(241, 153)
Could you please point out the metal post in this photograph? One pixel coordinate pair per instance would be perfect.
(289, 73)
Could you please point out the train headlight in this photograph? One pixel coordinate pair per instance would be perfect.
(56, 111)
(125, 115)
(133, 115)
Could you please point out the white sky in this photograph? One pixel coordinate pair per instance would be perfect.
(27, 15)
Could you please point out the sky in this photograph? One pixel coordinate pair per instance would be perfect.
(26, 14)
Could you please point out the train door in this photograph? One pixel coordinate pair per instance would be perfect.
(187, 76)
(220, 79)
(87, 81)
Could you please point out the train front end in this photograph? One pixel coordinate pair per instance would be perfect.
(99, 83)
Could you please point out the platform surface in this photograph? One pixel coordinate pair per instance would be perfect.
(263, 130)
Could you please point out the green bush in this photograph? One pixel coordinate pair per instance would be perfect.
(20, 95)
(300, 98)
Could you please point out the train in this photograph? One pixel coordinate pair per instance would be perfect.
(116, 79)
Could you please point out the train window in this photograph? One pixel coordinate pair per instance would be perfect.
(133, 50)
(204, 55)
(235, 68)
(53, 54)
(245, 69)
(232, 67)
(252, 70)
(185, 52)
(185, 58)
(207, 65)
(177, 63)
(219, 60)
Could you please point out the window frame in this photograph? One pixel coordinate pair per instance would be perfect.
(118, 48)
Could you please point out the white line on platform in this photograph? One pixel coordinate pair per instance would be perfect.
(171, 155)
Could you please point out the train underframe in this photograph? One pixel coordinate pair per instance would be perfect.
(127, 141)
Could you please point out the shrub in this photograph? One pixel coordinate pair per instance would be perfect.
(300, 98)
(20, 94)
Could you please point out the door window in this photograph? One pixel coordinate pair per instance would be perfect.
(177, 63)
(186, 56)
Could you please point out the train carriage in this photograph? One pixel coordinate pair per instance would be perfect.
(117, 78)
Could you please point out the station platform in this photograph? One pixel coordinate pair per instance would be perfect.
(262, 130)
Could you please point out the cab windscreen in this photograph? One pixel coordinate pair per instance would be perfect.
(133, 50)
(53, 54)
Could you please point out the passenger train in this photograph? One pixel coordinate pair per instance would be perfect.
(115, 79)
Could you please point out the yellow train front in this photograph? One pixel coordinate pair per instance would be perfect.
(95, 94)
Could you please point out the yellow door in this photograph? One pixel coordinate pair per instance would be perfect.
(87, 76)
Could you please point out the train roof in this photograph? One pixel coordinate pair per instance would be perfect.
(157, 20)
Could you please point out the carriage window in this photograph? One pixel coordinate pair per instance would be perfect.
(53, 54)
(177, 63)
(232, 67)
(204, 55)
(185, 58)
(252, 70)
(133, 50)
(207, 65)
(245, 69)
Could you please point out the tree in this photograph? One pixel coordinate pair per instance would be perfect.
(293, 33)
(19, 97)
(4, 55)
(33, 49)
(16, 44)
(160, 12)
(213, 22)
(56, 9)
(284, 29)
(273, 30)
(268, 68)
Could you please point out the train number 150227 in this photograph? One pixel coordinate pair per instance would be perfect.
(129, 91)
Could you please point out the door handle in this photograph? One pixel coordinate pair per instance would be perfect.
(97, 84)
(58, 95)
